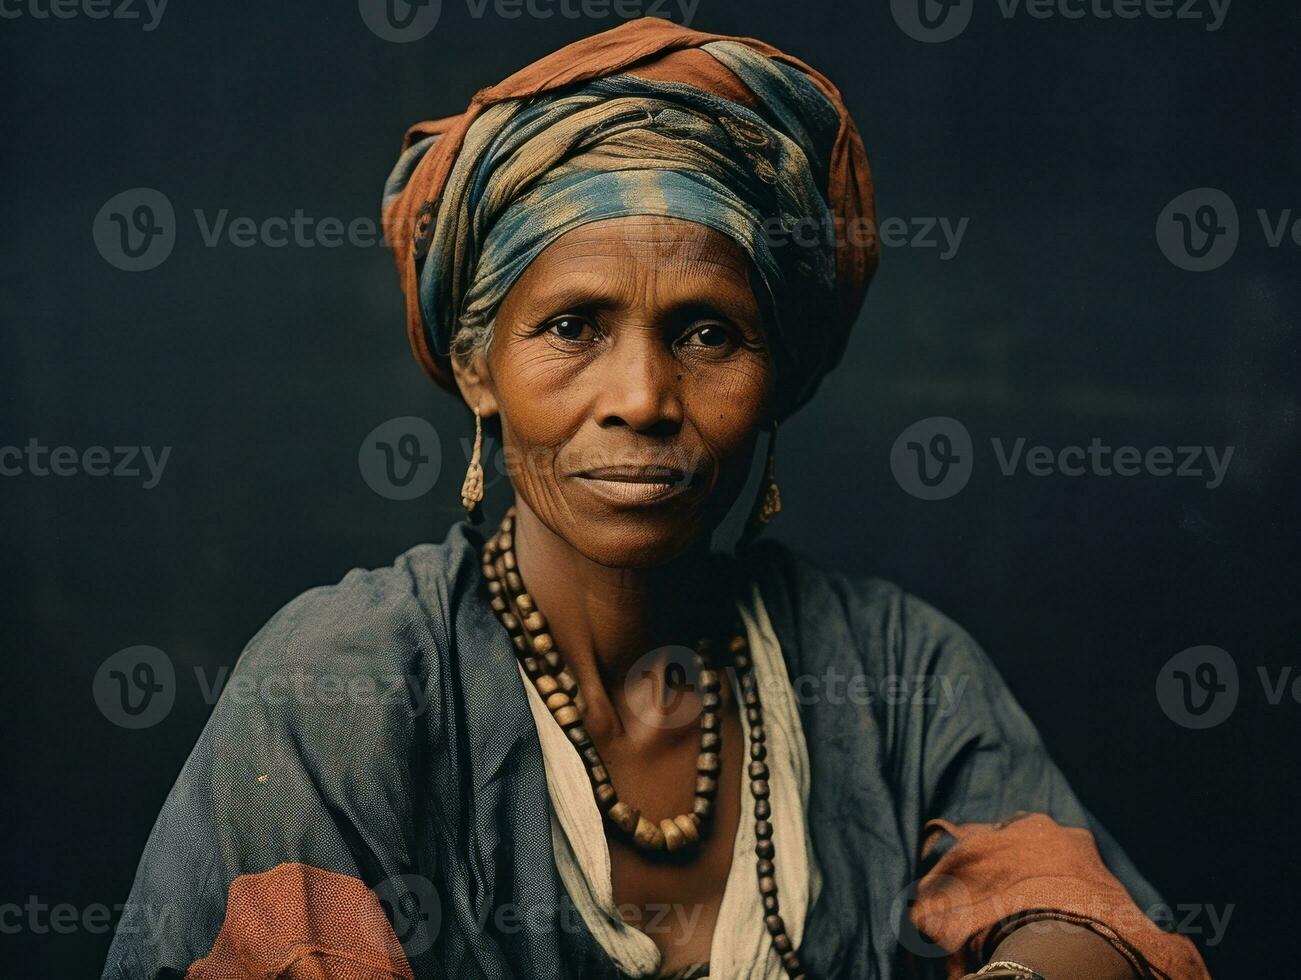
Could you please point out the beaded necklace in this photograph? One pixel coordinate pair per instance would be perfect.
(545, 667)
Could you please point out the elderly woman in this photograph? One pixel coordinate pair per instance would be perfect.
(634, 257)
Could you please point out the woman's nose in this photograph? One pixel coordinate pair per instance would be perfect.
(640, 387)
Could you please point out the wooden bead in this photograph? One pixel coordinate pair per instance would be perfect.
(710, 700)
(524, 602)
(647, 834)
(782, 942)
(706, 786)
(757, 733)
(498, 604)
(508, 559)
(598, 773)
(532, 666)
(542, 643)
(754, 716)
(505, 542)
(710, 742)
(750, 698)
(591, 757)
(791, 964)
(709, 722)
(674, 839)
(767, 885)
(736, 645)
(624, 817)
(689, 826)
(546, 685)
(510, 622)
(566, 680)
(758, 770)
(552, 659)
(567, 716)
(742, 664)
(606, 797)
(702, 808)
(762, 809)
(707, 762)
(764, 868)
(708, 680)
(762, 829)
(758, 751)
(494, 587)
(770, 904)
(759, 789)
(533, 622)
(519, 643)
(578, 735)
(764, 849)
(557, 701)
(513, 582)
(775, 924)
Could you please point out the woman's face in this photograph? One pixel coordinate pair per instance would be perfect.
(630, 371)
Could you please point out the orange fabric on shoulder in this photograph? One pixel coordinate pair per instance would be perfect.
(298, 922)
(1032, 868)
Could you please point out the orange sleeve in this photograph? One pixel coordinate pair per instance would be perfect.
(999, 876)
(298, 922)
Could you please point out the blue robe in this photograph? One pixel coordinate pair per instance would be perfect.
(436, 777)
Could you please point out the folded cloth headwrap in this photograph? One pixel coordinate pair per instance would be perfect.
(646, 119)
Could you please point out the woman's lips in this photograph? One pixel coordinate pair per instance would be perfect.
(636, 485)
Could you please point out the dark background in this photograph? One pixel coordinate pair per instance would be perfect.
(1059, 320)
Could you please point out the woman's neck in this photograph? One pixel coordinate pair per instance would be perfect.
(605, 620)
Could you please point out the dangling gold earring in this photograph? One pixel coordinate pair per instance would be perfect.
(472, 488)
(769, 502)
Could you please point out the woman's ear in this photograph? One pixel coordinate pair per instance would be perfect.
(474, 380)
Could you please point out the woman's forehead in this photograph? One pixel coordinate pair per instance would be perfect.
(647, 241)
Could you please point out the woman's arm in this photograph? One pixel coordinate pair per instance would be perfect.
(1058, 950)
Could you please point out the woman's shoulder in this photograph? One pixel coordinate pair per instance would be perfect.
(824, 609)
(375, 635)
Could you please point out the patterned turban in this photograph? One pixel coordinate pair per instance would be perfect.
(646, 119)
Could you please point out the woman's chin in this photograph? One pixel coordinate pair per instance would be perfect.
(638, 540)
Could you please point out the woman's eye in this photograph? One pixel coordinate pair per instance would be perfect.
(570, 328)
(712, 335)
